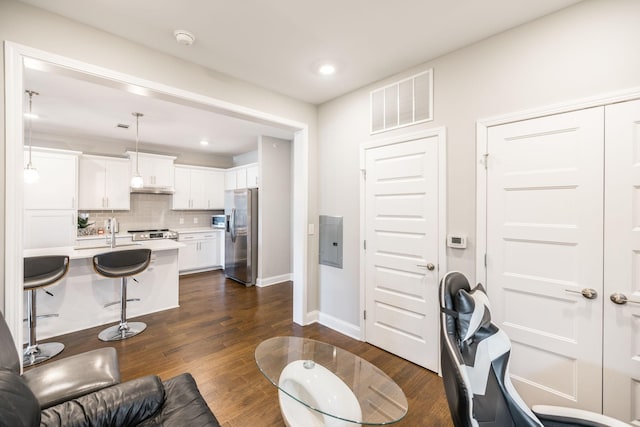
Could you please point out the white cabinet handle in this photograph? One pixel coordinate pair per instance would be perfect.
(73, 219)
(73, 202)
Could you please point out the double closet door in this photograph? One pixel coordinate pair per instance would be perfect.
(563, 255)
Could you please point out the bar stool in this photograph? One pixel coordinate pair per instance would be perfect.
(122, 264)
(39, 272)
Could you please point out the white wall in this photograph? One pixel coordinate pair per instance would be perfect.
(275, 210)
(585, 50)
(39, 29)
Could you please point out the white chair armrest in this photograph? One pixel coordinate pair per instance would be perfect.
(574, 416)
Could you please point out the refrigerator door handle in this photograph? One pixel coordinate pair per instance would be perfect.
(232, 225)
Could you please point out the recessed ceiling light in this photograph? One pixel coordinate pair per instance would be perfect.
(31, 115)
(203, 142)
(327, 69)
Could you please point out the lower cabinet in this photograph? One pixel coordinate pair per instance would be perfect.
(202, 251)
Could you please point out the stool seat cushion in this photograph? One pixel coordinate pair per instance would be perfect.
(122, 263)
(74, 376)
(44, 270)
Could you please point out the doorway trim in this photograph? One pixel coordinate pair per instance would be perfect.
(441, 134)
(482, 129)
(14, 56)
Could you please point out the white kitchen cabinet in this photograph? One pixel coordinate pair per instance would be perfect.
(49, 228)
(201, 251)
(214, 190)
(242, 177)
(198, 188)
(56, 187)
(157, 170)
(103, 183)
(253, 175)
(230, 181)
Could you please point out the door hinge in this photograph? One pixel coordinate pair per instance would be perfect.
(485, 160)
(364, 245)
(365, 315)
(485, 260)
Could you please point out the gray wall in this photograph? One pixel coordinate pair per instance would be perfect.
(588, 49)
(275, 207)
(36, 28)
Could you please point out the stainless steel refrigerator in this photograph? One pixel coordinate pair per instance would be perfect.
(241, 235)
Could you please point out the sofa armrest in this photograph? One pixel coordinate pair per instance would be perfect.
(560, 416)
(73, 376)
(125, 404)
(183, 405)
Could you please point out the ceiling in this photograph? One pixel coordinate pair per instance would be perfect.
(274, 44)
(85, 108)
(278, 44)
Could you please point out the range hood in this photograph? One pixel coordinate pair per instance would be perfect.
(153, 190)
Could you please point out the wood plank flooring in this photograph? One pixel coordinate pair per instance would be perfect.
(213, 335)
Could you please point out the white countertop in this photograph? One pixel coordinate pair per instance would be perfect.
(90, 251)
(197, 230)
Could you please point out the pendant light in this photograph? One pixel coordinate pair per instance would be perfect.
(30, 173)
(136, 180)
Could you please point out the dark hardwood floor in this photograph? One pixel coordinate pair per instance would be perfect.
(213, 336)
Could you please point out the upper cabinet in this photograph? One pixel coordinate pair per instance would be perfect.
(156, 170)
(103, 183)
(247, 176)
(56, 187)
(198, 188)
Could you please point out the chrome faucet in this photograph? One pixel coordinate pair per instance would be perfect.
(112, 226)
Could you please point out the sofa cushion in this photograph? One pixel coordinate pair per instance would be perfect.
(183, 406)
(73, 376)
(18, 406)
(125, 404)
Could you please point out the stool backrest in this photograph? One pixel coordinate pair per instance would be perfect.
(44, 270)
(122, 263)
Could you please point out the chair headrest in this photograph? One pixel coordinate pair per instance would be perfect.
(473, 311)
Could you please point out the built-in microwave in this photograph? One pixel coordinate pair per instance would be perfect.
(218, 221)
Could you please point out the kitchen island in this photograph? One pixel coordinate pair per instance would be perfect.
(80, 297)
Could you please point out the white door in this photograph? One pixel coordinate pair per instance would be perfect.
(401, 265)
(56, 187)
(198, 189)
(49, 229)
(621, 389)
(182, 187)
(544, 246)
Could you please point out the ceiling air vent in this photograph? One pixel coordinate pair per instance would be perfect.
(122, 126)
(403, 103)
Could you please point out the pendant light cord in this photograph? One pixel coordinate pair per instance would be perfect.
(138, 115)
(31, 93)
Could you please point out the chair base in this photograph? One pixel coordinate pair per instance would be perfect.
(38, 353)
(122, 331)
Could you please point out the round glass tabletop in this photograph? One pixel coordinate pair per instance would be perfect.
(330, 381)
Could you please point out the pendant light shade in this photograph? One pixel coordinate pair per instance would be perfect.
(136, 179)
(30, 173)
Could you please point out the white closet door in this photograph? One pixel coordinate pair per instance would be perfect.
(544, 246)
(621, 375)
(402, 250)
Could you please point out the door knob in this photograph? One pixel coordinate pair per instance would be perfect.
(588, 293)
(621, 299)
(429, 266)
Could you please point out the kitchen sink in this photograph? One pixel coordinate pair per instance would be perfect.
(79, 248)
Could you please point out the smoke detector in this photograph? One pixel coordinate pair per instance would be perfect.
(184, 37)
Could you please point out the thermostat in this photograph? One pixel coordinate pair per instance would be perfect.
(457, 241)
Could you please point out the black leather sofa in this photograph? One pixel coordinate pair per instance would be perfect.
(85, 390)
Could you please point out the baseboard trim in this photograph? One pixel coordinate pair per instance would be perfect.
(274, 280)
(339, 325)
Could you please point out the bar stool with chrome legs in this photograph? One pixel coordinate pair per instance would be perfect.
(122, 264)
(41, 271)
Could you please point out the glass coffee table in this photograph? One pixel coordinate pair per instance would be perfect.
(323, 385)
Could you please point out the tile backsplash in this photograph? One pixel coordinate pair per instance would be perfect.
(150, 211)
